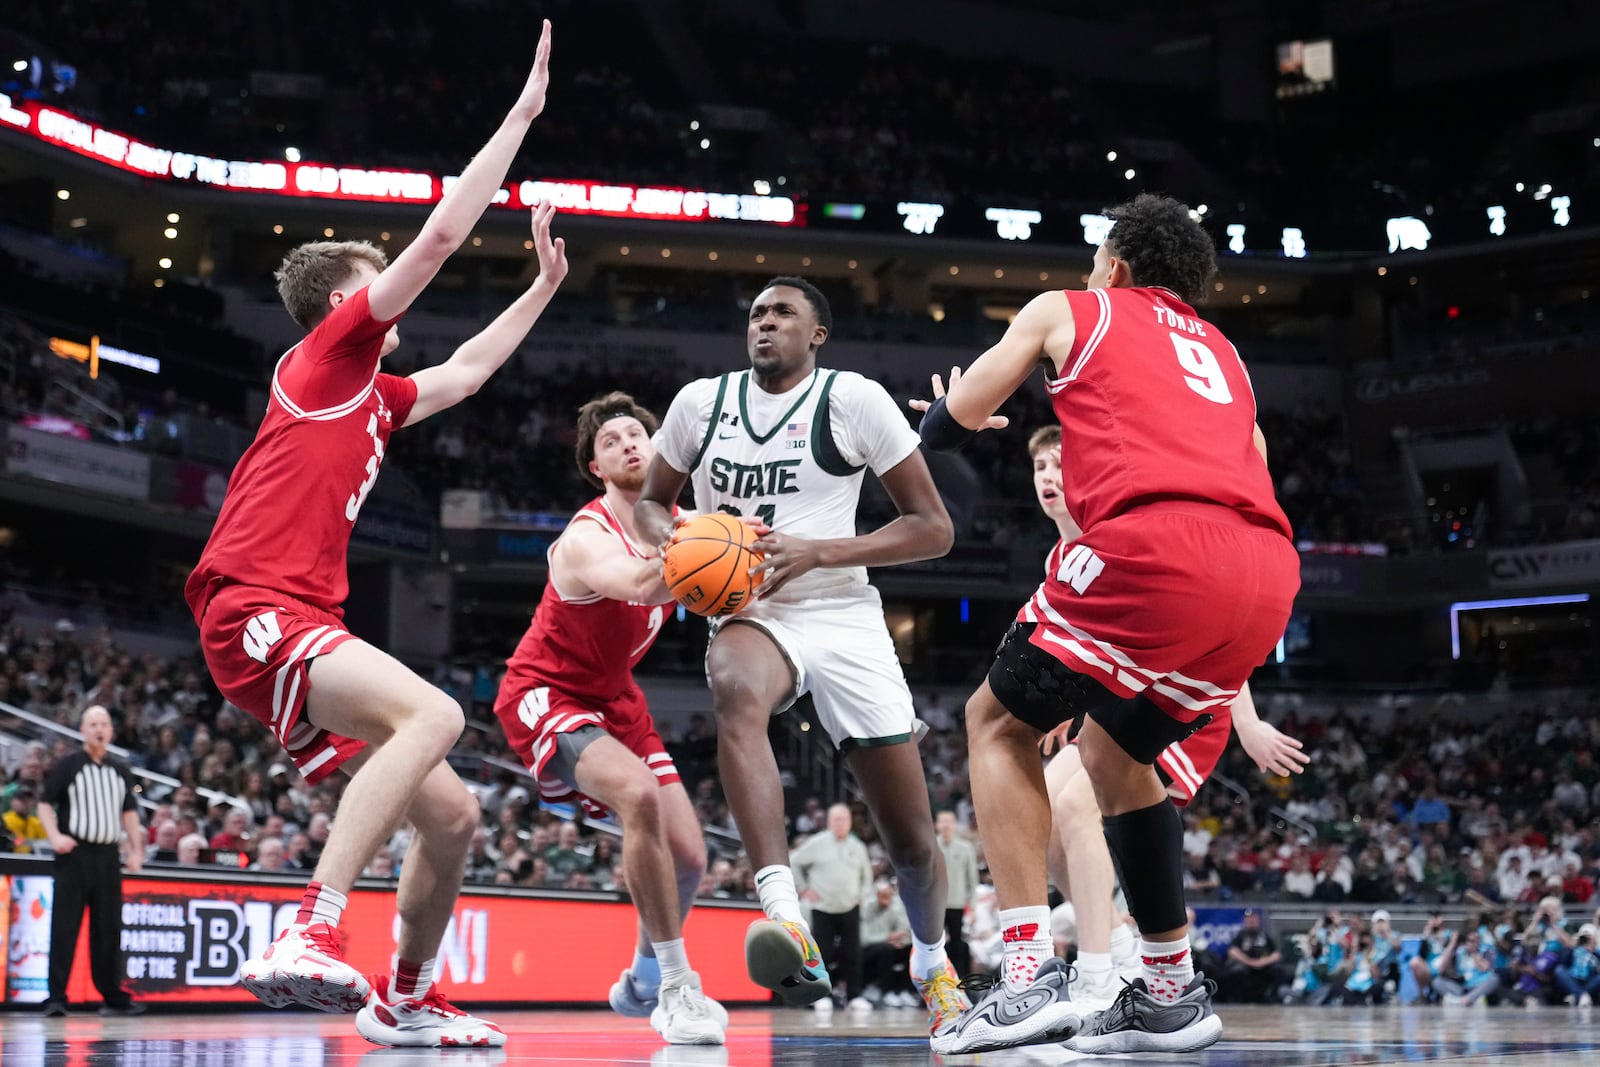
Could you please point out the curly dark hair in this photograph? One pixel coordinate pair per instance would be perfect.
(595, 414)
(1163, 245)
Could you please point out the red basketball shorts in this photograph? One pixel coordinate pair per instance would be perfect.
(533, 719)
(1177, 602)
(258, 644)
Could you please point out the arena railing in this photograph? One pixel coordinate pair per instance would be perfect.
(45, 726)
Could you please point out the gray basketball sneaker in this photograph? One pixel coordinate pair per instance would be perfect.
(1137, 1022)
(1003, 1019)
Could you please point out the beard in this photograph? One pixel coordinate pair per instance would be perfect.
(630, 481)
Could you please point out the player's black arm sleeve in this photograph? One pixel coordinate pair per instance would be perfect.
(940, 431)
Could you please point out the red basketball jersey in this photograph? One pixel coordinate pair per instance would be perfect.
(586, 646)
(1155, 405)
(294, 495)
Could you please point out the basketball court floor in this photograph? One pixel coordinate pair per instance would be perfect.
(1255, 1037)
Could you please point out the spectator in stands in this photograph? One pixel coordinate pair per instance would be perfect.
(1335, 875)
(1577, 976)
(235, 835)
(166, 842)
(886, 948)
(270, 856)
(480, 864)
(1254, 970)
(565, 856)
(189, 849)
(961, 870)
(1385, 957)
(833, 874)
(23, 828)
(1200, 874)
(1301, 881)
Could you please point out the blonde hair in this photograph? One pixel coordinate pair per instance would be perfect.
(1042, 438)
(310, 272)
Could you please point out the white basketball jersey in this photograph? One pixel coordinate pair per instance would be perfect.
(795, 461)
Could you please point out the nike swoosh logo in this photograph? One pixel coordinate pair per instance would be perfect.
(726, 436)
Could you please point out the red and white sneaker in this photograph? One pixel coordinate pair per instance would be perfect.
(306, 966)
(424, 1022)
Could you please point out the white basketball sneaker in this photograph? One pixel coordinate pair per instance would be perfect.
(684, 1016)
(1092, 993)
(306, 966)
(428, 1021)
(627, 998)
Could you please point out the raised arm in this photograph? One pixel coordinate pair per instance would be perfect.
(452, 220)
(1041, 330)
(471, 365)
(588, 559)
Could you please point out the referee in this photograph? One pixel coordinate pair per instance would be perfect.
(88, 803)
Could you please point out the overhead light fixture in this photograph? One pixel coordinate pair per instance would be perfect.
(170, 233)
(277, 228)
(172, 216)
(164, 263)
(292, 154)
(63, 194)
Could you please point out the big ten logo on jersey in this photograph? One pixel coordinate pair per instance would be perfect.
(223, 934)
(1079, 568)
(745, 480)
(260, 633)
(464, 952)
(796, 436)
(352, 507)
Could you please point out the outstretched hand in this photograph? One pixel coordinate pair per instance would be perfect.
(531, 102)
(552, 253)
(993, 422)
(1273, 751)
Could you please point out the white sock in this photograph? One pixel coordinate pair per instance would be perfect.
(1168, 968)
(1122, 944)
(925, 959)
(779, 899)
(674, 961)
(1093, 964)
(1025, 932)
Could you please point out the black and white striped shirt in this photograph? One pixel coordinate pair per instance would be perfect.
(89, 797)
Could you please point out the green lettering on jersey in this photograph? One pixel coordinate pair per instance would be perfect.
(746, 480)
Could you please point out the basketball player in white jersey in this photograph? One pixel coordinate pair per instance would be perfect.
(788, 443)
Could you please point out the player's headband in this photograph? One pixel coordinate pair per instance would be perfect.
(620, 413)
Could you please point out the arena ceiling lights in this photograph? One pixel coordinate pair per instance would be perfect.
(389, 186)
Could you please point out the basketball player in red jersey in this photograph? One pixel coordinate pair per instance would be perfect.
(1180, 585)
(578, 720)
(269, 587)
(1080, 865)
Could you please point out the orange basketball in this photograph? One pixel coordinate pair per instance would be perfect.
(707, 565)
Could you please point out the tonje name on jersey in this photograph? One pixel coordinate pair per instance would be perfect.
(1169, 318)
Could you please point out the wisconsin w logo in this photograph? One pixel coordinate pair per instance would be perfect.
(1080, 568)
(260, 634)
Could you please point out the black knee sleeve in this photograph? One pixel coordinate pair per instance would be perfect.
(1039, 689)
(1147, 847)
